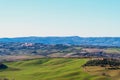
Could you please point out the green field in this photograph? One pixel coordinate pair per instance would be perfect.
(49, 69)
(112, 50)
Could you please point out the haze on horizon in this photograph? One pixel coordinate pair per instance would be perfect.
(86, 18)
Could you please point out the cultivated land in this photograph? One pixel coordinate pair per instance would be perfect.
(24, 50)
(36, 61)
(56, 69)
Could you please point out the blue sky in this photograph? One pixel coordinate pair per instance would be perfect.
(86, 18)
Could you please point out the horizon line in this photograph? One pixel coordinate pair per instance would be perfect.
(65, 36)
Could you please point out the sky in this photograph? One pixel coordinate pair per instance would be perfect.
(85, 18)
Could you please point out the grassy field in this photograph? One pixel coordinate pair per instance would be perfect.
(97, 70)
(112, 50)
(50, 69)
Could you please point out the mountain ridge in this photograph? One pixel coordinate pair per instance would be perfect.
(73, 40)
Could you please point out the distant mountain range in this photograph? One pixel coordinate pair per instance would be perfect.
(75, 40)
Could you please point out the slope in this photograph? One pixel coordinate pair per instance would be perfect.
(48, 69)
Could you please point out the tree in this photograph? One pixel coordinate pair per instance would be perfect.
(3, 66)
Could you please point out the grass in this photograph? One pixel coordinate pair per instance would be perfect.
(113, 50)
(49, 69)
(97, 70)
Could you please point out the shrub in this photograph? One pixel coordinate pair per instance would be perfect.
(3, 66)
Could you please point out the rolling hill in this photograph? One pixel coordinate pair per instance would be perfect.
(53, 69)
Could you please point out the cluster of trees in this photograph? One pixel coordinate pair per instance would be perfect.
(3, 66)
(113, 63)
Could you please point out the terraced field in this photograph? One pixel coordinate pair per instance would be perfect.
(49, 69)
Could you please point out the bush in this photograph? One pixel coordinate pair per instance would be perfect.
(103, 63)
(3, 66)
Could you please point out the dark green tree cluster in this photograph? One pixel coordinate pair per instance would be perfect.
(3, 66)
(103, 63)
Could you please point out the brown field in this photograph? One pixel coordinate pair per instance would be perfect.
(97, 70)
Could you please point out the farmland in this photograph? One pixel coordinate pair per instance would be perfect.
(55, 69)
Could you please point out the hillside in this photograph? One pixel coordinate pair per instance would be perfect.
(49, 69)
(24, 50)
(101, 41)
(16, 51)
